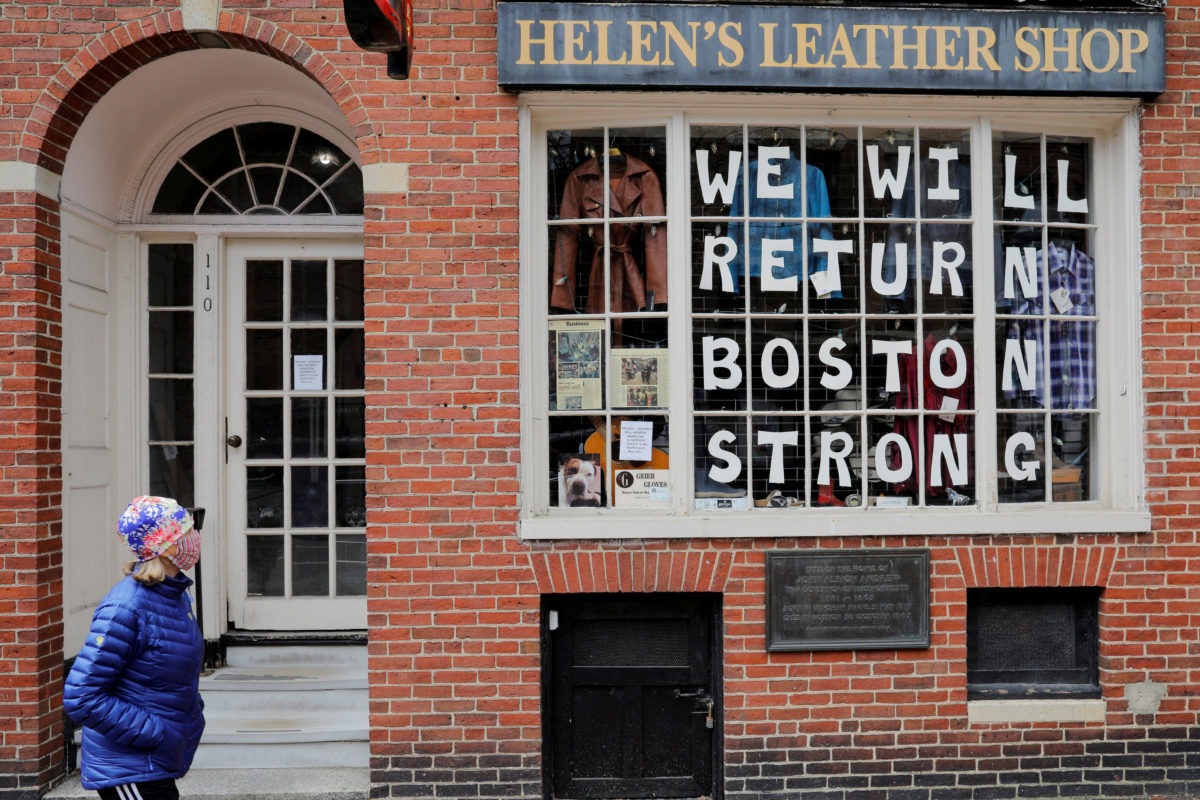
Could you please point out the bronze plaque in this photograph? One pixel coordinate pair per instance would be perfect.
(847, 599)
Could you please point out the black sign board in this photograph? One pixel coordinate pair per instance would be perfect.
(748, 47)
(847, 599)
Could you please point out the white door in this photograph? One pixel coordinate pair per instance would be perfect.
(91, 551)
(295, 455)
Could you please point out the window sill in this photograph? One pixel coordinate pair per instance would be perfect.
(982, 712)
(621, 524)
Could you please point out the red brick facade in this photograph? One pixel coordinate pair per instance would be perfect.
(455, 663)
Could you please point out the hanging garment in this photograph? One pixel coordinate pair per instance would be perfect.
(914, 385)
(1071, 356)
(788, 223)
(634, 192)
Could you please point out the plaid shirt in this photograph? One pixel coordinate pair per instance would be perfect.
(1072, 352)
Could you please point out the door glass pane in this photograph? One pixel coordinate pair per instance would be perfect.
(351, 564)
(310, 497)
(351, 497)
(348, 290)
(264, 357)
(264, 566)
(264, 427)
(349, 427)
(264, 291)
(171, 472)
(264, 497)
(171, 410)
(308, 290)
(310, 566)
(309, 426)
(170, 275)
(350, 372)
(170, 341)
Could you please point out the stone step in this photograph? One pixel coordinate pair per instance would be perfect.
(327, 783)
(266, 688)
(251, 655)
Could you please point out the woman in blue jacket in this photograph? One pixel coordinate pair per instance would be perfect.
(135, 685)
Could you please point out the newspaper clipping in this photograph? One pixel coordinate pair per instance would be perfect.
(639, 377)
(577, 348)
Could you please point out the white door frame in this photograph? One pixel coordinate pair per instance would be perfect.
(290, 613)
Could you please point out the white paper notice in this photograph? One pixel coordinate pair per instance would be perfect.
(308, 373)
(826, 282)
(637, 441)
(642, 488)
(949, 406)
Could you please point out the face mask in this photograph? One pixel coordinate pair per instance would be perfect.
(187, 550)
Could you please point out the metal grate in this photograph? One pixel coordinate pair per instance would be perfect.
(630, 643)
(1026, 637)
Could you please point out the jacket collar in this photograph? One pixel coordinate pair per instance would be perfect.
(172, 587)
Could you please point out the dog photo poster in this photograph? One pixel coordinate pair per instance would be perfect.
(580, 480)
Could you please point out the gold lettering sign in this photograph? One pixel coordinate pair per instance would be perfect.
(797, 47)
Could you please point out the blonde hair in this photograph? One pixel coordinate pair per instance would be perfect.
(147, 572)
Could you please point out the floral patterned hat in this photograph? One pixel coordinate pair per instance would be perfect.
(152, 524)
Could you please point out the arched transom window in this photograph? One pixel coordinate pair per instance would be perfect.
(262, 168)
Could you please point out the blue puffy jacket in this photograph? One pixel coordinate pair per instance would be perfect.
(135, 685)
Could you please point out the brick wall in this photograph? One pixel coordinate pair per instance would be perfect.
(30, 481)
(453, 610)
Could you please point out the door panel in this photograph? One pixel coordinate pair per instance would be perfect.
(632, 695)
(294, 438)
(91, 555)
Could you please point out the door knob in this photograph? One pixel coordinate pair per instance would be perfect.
(234, 441)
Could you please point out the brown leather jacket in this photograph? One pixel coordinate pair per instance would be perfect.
(638, 193)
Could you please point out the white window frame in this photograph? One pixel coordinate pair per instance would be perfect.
(1112, 124)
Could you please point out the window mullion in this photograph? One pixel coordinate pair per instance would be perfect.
(986, 344)
(679, 335)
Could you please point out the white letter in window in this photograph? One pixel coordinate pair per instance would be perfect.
(1025, 364)
(896, 285)
(709, 186)
(941, 263)
(1025, 270)
(828, 453)
(1020, 470)
(770, 260)
(844, 374)
(941, 379)
(1065, 203)
(887, 181)
(767, 367)
(956, 462)
(733, 464)
(768, 168)
(1011, 198)
(892, 349)
(775, 439)
(943, 156)
(711, 344)
(712, 259)
(900, 473)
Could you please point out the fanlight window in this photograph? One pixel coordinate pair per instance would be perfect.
(262, 168)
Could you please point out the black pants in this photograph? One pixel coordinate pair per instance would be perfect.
(150, 790)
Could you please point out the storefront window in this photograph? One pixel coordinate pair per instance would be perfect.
(802, 318)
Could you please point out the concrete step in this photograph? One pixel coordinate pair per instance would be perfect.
(266, 688)
(251, 655)
(252, 784)
(286, 706)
